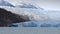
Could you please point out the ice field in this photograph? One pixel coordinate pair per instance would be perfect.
(39, 16)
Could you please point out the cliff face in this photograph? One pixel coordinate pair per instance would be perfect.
(7, 17)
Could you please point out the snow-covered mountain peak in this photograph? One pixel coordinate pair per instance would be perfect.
(28, 5)
(5, 3)
(24, 5)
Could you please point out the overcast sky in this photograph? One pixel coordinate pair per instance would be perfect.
(46, 4)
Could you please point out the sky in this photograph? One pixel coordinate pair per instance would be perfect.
(46, 4)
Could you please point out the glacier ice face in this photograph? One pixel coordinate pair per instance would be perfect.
(35, 24)
(30, 24)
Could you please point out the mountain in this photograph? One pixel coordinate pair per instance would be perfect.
(5, 3)
(21, 5)
(42, 18)
(24, 5)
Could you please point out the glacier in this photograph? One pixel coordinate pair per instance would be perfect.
(39, 17)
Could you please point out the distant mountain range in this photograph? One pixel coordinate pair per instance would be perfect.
(27, 6)
(22, 5)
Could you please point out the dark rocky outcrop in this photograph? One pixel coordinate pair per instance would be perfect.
(7, 17)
